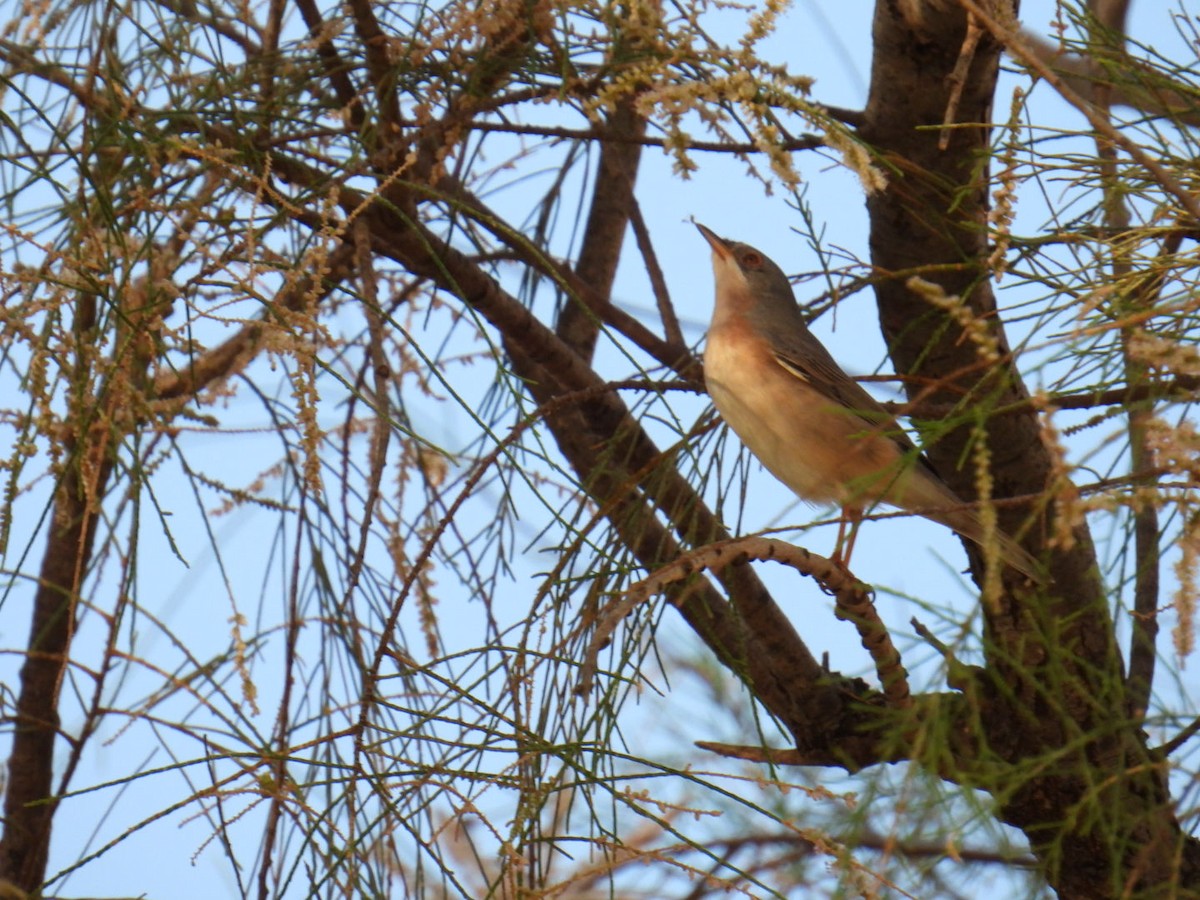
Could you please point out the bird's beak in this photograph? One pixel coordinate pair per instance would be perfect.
(719, 245)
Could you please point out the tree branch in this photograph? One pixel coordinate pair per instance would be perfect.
(604, 235)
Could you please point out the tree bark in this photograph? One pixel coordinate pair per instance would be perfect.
(1051, 701)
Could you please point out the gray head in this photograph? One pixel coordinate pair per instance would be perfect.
(750, 282)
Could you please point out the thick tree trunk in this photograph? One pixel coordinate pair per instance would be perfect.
(29, 802)
(1065, 761)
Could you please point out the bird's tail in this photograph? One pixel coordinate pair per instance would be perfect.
(926, 494)
(968, 523)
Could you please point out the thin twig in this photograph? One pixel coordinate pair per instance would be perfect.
(1013, 44)
(658, 283)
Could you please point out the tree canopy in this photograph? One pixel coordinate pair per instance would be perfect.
(367, 531)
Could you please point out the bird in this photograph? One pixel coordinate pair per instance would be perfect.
(810, 424)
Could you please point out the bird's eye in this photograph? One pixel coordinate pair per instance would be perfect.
(752, 260)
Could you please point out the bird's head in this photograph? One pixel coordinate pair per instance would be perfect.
(745, 275)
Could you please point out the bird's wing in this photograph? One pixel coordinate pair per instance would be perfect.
(806, 359)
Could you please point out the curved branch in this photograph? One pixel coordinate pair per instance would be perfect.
(854, 603)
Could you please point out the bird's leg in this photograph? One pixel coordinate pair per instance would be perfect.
(846, 536)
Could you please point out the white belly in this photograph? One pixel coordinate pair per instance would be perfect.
(776, 426)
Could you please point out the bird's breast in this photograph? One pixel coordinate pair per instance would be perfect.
(811, 443)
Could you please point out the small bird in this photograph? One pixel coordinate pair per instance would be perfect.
(814, 427)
